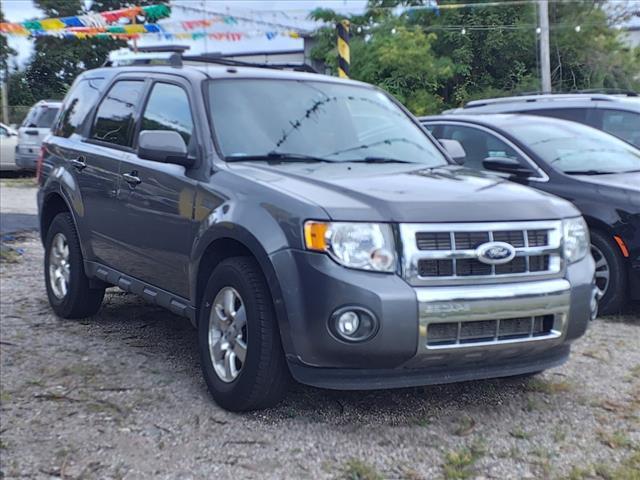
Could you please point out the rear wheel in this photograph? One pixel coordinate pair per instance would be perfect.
(239, 342)
(610, 273)
(68, 287)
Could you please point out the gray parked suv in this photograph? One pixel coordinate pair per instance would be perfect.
(309, 227)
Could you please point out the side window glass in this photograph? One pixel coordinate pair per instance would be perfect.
(76, 106)
(29, 120)
(115, 116)
(3, 132)
(168, 109)
(479, 145)
(625, 125)
(573, 114)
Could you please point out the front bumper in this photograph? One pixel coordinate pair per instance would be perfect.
(399, 354)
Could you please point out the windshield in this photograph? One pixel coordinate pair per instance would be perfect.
(314, 121)
(577, 149)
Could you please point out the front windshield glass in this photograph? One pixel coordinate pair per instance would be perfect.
(314, 121)
(576, 149)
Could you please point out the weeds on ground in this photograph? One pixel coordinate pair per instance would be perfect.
(540, 385)
(458, 464)
(356, 469)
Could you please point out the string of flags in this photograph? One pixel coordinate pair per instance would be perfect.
(122, 24)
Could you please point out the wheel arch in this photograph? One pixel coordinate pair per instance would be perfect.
(226, 241)
(53, 204)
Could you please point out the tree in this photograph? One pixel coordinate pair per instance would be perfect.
(483, 50)
(56, 62)
(394, 56)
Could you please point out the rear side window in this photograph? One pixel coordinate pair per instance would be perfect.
(622, 124)
(115, 115)
(41, 117)
(574, 114)
(76, 106)
(168, 109)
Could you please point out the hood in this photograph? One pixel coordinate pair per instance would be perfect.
(621, 188)
(406, 192)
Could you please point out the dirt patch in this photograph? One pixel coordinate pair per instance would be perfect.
(120, 395)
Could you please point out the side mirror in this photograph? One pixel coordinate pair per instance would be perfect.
(506, 165)
(166, 146)
(455, 149)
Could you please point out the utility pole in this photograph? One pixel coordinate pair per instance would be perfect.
(545, 59)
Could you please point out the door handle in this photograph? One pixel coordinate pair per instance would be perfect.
(132, 178)
(79, 163)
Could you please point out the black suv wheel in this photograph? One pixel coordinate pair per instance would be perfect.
(68, 288)
(610, 273)
(240, 350)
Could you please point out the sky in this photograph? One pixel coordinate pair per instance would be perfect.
(288, 12)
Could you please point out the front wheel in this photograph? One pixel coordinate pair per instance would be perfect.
(68, 288)
(610, 273)
(242, 358)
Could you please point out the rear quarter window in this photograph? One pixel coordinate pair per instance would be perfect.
(573, 114)
(77, 105)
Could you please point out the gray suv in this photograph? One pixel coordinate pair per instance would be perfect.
(309, 227)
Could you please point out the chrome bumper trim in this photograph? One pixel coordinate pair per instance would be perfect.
(493, 302)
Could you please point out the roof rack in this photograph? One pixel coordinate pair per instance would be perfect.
(218, 59)
(173, 55)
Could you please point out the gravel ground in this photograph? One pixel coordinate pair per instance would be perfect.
(120, 395)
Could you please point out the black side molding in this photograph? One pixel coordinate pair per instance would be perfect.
(173, 303)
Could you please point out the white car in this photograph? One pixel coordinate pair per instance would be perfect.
(8, 142)
(35, 127)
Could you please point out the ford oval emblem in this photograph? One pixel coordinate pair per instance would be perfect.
(495, 253)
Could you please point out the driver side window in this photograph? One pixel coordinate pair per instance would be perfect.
(479, 145)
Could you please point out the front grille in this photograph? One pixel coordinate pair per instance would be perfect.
(437, 252)
(482, 331)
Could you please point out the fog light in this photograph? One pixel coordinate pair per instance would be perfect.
(353, 324)
(348, 323)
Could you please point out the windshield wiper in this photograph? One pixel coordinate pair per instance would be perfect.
(586, 172)
(377, 160)
(276, 157)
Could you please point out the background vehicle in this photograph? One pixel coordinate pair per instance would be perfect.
(301, 222)
(8, 141)
(597, 172)
(35, 127)
(618, 114)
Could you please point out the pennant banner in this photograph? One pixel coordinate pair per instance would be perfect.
(152, 13)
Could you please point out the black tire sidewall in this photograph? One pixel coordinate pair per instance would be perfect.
(231, 395)
(614, 298)
(63, 223)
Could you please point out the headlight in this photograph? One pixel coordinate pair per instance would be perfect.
(366, 246)
(575, 235)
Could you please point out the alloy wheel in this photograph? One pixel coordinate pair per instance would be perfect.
(59, 266)
(603, 271)
(228, 334)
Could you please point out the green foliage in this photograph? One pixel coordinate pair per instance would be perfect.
(429, 64)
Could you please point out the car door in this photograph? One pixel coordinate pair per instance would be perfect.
(96, 163)
(156, 227)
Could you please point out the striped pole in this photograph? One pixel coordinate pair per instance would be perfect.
(344, 57)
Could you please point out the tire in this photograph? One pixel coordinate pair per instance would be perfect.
(607, 256)
(260, 379)
(77, 299)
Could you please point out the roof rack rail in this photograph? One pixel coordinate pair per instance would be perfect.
(173, 55)
(611, 91)
(542, 97)
(218, 59)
